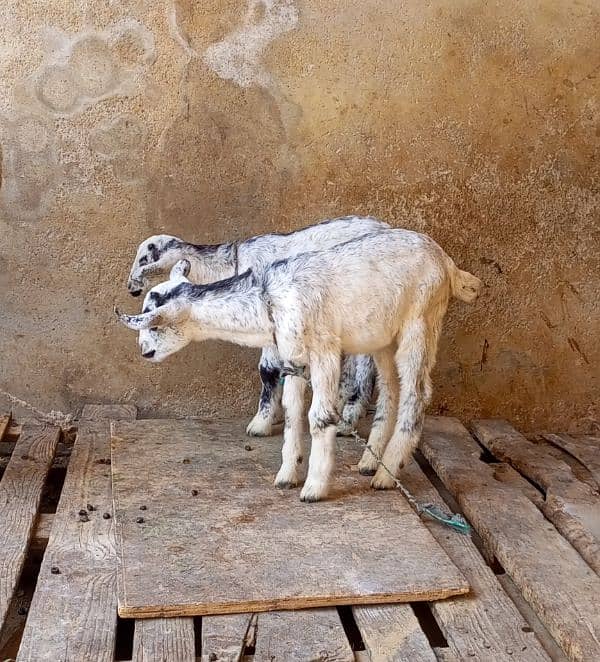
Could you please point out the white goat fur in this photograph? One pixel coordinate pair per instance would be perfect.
(209, 263)
(383, 294)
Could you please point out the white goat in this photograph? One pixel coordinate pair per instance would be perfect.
(158, 254)
(383, 294)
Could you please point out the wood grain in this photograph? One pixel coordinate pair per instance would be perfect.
(20, 494)
(554, 579)
(571, 505)
(485, 625)
(164, 640)
(242, 545)
(584, 448)
(310, 635)
(4, 423)
(73, 614)
(224, 637)
(391, 633)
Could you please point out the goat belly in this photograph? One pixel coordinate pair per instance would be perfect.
(365, 340)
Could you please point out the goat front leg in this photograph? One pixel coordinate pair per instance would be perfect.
(293, 452)
(385, 414)
(413, 364)
(322, 417)
(269, 404)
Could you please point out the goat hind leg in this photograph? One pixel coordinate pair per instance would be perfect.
(355, 404)
(385, 415)
(415, 387)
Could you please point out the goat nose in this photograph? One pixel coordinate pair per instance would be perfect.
(149, 354)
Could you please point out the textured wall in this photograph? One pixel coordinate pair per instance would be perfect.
(476, 122)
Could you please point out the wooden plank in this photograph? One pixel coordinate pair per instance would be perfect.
(550, 646)
(391, 633)
(4, 423)
(583, 448)
(224, 637)
(571, 505)
(554, 579)
(73, 613)
(303, 636)
(20, 494)
(164, 640)
(484, 625)
(245, 534)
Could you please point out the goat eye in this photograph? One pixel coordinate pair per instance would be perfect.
(143, 260)
(154, 328)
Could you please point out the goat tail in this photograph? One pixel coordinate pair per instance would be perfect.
(465, 286)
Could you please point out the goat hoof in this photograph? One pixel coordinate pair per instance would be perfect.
(286, 485)
(343, 430)
(258, 427)
(367, 471)
(382, 481)
(309, 499)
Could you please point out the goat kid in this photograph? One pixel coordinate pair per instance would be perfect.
(384, 294)
(209, 263)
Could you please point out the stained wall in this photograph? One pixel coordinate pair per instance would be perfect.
(476, 122)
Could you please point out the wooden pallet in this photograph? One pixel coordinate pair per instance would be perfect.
(539, 604)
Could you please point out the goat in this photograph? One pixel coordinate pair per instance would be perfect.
(158, 254)
(383, 294)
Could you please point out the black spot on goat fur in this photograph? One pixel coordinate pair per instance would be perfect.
(154, 252)
(269, 376)
(323, 422)
(193, 292)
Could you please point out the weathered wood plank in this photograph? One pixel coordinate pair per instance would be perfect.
(310, 635)
(4, 423)
(550, 646)
(391, 633)
(585, 449)
(164, 640)
(485, 625)
(554, 579)
(571, 505)
(224, 637)
(20, 494)
(73, 611)
(243, 532)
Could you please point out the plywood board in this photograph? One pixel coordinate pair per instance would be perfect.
(242, 545)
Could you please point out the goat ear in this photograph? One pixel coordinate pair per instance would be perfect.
(144, 321)
(180, 270)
